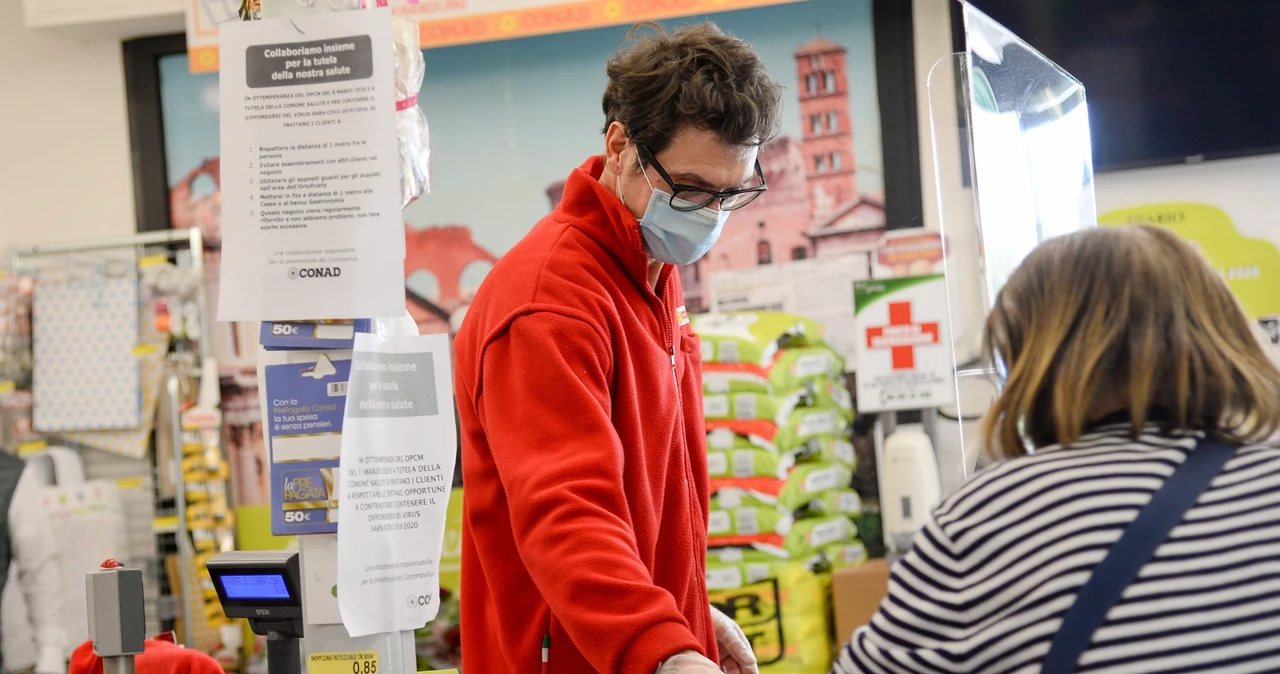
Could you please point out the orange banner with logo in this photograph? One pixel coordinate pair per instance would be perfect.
(523, 22)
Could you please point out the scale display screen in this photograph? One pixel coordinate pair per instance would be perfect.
(254, 586)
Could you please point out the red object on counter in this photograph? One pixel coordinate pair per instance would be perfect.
(583, 452)
(158, 657)
(111, 564)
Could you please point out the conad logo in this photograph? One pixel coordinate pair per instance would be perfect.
(314, 272)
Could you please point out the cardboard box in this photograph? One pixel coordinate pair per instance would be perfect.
(856, 593)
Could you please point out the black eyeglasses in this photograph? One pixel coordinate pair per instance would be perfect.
(689, 198)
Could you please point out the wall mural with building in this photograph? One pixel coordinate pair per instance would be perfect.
(511, 119)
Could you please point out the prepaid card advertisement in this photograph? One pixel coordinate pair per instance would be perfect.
(311, 225)
(306, 393)
(903, 344)
(398, 451)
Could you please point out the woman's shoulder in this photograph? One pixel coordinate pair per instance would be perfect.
(1108, 461)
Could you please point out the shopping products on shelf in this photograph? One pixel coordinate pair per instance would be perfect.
(783, 511)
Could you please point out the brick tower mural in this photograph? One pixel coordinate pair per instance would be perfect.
(827, 129)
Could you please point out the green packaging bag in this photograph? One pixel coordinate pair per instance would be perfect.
(724, 439)
(811, 480)
(753, 336)
(838, 502)
(747, 405)
(739, 525)
(843, 555)
(748, 463)
(807, 538)
(827, 449)
(739, 514)
(756, 405)
(787, 371)
(807, 423)
(735, 455)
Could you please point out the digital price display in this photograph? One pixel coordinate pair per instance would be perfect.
(254, 586)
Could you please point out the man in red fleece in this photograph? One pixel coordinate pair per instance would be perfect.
(580, 389)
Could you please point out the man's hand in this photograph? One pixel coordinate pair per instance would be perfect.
(735, 651)
(688, 662)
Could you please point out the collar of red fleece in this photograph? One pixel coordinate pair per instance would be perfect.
(592, 206)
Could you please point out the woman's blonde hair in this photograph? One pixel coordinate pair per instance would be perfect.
(1132, 315)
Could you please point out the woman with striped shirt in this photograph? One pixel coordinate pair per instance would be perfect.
(1124, 355)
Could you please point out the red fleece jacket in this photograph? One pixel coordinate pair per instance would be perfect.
(583, 452)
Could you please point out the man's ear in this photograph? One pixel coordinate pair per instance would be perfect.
(615, 141)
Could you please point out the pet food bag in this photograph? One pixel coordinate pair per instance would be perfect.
(754, 336)
(811, 480)
(786, 371)
(803, 425)
(783, 608)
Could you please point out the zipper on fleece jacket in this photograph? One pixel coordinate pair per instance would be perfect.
(694, 511)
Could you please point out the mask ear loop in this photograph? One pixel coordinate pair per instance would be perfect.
(617, 183)
(617, 180)
(643, 172)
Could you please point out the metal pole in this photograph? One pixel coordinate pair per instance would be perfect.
(185, 555)
(197, 266)
(120, 665)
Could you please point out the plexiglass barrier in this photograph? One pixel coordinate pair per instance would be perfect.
(1013, 166)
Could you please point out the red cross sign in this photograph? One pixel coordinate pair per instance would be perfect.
(902, 336)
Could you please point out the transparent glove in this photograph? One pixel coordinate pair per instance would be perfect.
(688, 662)
(50, 662)
(735, 651)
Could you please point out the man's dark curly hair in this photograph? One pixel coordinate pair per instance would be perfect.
(693, 76)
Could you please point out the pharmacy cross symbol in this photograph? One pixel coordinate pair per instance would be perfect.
(902, 336)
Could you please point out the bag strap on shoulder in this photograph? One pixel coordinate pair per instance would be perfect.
(1136, 547)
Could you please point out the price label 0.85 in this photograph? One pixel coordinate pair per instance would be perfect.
(343, 663)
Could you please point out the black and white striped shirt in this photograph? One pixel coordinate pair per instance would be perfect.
(990, 577)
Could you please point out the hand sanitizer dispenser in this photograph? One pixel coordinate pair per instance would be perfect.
(910, 486)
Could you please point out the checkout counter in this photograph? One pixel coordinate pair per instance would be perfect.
(265, 588)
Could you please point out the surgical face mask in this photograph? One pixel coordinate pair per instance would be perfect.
(677, 237)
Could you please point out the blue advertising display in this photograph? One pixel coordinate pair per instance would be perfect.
(305, 404)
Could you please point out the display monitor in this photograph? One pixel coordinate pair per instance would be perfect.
(254, 586)
(1168, 82)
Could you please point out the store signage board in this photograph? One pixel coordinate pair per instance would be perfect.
(443, 23)
(904, 358)
(909, 253)
(311, 175)
(399, 445)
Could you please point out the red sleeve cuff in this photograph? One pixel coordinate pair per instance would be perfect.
(655, 645)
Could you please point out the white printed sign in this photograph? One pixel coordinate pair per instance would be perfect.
(903, 349)
(310, 165)
(398, 451)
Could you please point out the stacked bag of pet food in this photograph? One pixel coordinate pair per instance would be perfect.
(783, 513)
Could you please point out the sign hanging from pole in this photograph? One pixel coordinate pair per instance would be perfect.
(399, 445)
(310, 170)
(904, 350)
